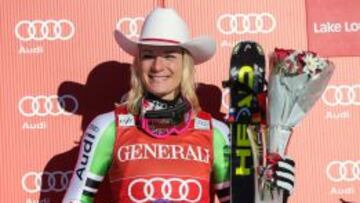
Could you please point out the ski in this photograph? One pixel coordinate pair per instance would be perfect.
(247, 108)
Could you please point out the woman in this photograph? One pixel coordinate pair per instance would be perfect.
(158, 146)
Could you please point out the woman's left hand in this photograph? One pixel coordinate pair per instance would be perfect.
(284, 174)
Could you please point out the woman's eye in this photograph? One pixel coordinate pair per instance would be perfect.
(147, 56)
(170, 56)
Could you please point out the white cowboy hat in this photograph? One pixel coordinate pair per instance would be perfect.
(164, 27)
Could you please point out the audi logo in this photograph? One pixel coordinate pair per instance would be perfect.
(39, 30)
(30, 106)
(130, 26)
(344, 95)
(347, 171)
(246, 23)
(56, 181)
(167, 190)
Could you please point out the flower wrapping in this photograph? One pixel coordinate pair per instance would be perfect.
(297, 80)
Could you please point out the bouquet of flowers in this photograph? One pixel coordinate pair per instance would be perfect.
(297, 80)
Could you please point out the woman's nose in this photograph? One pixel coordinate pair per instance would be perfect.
(158, 64)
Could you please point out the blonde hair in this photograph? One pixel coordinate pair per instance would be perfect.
(187, 85)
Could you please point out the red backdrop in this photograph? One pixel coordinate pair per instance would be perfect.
(64, 50)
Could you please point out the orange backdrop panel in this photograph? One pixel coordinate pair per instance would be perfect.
(62, 55)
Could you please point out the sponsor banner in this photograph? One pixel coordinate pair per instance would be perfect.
(343, 171)
(152, 152)
(168, 189)
(342, 101)
(343, 178)
(40, 30)
(52, 105)
(49, 44)
(39, 186)
(333, 27)
(246, 23)
(46, 181)
(37, 109)
(342, 95)
(130, 26)
(233, 26)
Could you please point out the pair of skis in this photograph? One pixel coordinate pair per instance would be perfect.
(247, 120)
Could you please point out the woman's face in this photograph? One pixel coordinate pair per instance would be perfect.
(161, 70)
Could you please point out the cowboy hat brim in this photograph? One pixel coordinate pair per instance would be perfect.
(200, 48)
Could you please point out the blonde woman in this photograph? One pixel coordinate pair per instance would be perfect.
(157, 146)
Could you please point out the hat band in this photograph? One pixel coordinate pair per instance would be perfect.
(160, 40)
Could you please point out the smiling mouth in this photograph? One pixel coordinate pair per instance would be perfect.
(155, 77)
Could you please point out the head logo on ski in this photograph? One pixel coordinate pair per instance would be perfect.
(247, 107)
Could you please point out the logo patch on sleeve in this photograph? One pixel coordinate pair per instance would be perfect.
(201, 124)
(126, 120)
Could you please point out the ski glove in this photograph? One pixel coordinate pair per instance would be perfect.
(284, 174)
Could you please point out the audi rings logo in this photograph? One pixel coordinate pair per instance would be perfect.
(130, 26)
(167, 187)
(246, 23)
(347, 171)
(56, 181)
(344, 95)
(39, 30)
(30, 106)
